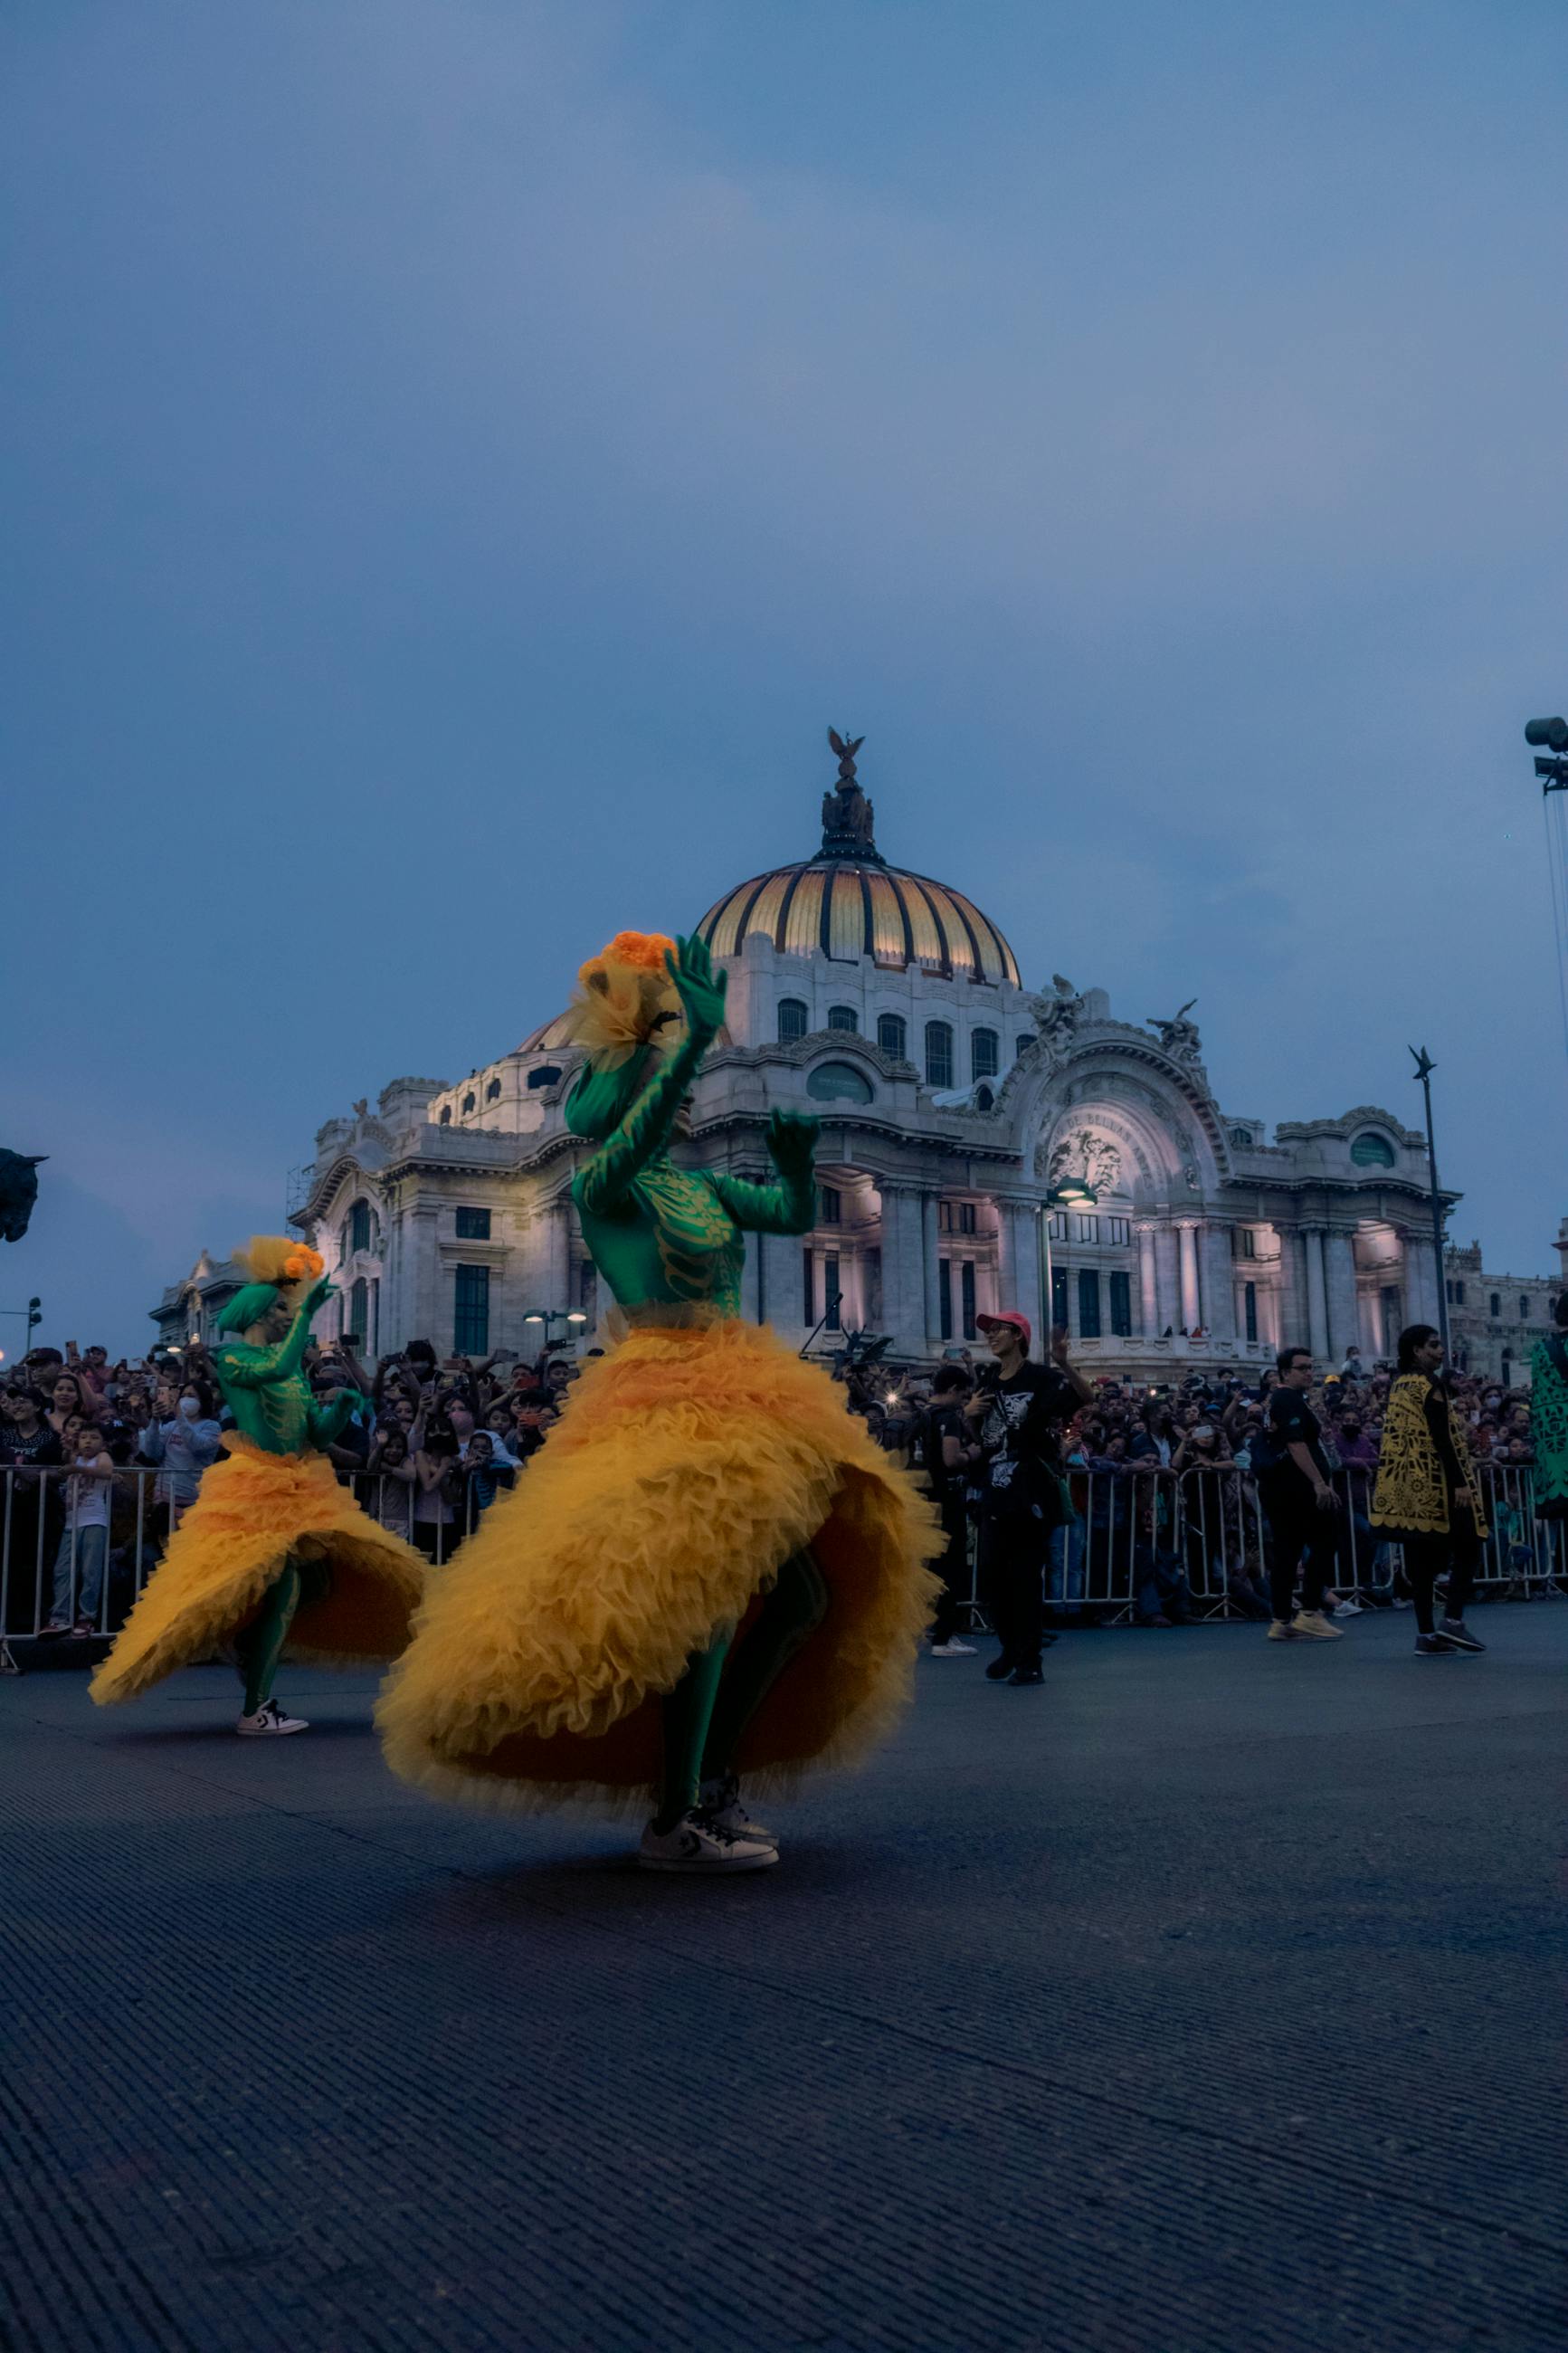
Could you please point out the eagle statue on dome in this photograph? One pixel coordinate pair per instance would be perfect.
(847, 814)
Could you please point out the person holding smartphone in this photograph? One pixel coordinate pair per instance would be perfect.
(1017, 1412)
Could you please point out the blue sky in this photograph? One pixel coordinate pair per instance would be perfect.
(460, 457)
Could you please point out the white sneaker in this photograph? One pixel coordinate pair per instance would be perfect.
(270, 1721)
(1349, 1607)
(953, 1649)
(1313, 1623)
(697, 1844)
(718, 1802)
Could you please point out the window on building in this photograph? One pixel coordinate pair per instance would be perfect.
(983, 1099)
(945, 1297)
(829, 1206)
(545, 1075)
(1058, 1225)
(1249, 1243)
(374, 1318)
(1497, 1303)
(493, 1092)
(1507, 1369)
(843, 1016)
(794, 1018)
(1022, 1043)
(968, 1217)
(966, 1294)
(1120, 1306)
(839, 1082)
(1088, 1228)
(1459, 1294)
(808, 1286)
(1089, 1302)
(1241, 1137)
(893, 1036)
(471, 1312)
(984, 1054)
(1119, 1229)
(446, 1120)
(1249, 1303)
(468, 1102)
(939, 1054)
(1059, 1297)
(473, 1225)
(1371, 1150)
(1524, 1308)
(831, 1303)
(358, 1326)
(1393, 1318)
(357, 1237)
(944, 1217)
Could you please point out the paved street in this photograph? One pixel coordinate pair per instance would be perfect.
(1209, 1998)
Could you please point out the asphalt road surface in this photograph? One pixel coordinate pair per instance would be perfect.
(1209, 1998)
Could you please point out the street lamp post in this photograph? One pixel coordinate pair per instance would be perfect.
(1072, 1195)
(1550, 738)
(1424, 1066)
(545, 1316)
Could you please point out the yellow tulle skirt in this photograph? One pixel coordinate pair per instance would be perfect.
(255, 1511)
(688, 1466)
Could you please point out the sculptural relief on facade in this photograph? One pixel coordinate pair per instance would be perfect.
(1056, 1016)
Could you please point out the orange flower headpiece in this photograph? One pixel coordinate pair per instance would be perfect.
(277, 1259)
(623, 998)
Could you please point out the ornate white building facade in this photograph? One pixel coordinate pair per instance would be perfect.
(952, 1101)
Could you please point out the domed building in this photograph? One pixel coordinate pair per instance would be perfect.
(982, 1145)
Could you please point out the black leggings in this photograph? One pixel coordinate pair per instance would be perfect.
(1427, 1558)
(1305, 1538)
(953, 1601)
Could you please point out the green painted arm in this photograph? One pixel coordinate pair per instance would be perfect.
(603, 1186)
(324, 1421)
(790, 1206)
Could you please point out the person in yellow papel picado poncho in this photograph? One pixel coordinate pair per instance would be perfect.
(710, 1569)
(274, 1556)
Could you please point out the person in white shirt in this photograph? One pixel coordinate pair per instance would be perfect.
(84, 1545)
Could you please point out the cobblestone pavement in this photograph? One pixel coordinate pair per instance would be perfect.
(1209, 1998)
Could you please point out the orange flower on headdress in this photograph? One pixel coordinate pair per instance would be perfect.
(279, 1259)
(623, 996)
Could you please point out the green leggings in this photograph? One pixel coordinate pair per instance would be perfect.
(709, 1709)
(260, 1646)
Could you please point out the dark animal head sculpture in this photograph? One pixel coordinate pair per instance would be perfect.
(18, 1191)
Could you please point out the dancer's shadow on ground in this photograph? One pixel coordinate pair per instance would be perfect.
(613, 1886)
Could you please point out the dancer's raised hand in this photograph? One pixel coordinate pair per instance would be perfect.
(699, 986)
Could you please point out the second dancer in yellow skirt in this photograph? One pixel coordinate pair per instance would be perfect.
(711, 1570)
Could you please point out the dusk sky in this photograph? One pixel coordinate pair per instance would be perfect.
(460, 458)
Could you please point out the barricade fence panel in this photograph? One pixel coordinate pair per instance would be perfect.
(1142, 1541)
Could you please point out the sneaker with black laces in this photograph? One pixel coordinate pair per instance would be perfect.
(720, 1802)
(269, 1723)
(1432, 1646)
(698, 1845)
(1457, 1635)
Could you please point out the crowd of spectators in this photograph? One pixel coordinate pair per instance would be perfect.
(438, 1439)
(429, 1451)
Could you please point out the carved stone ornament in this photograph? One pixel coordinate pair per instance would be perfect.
(1091, 1158)
(1056, 1016)
(1179, 1037)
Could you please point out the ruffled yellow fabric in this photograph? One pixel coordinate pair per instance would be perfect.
(254, 1511)
(687, 1468)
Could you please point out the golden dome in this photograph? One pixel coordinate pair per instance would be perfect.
(847, 903)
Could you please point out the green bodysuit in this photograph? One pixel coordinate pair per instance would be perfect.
(664, 1237)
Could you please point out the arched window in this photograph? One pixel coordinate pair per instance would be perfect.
(493, 1092)
(1497, 1303)
(446, 1114)
(1524, 1308)
(839, 1082)
(358, 1313)
(983, 1099)
(794, 1018)
(1242, 1138)
(1371, 1150)
(843, 1016)
(468, 1102)
(544, 1076)
(984, 1053)
(1022, 1043)
(893, 1036)
(939, 1053)
(359, 1231)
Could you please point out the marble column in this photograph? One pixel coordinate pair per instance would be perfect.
(1317, 1295)
(1018, 1269)
(1167, 1280)
(1192, 1296)
(422, 1302)
(903, 1271)
(930, 1252)
(1148, 1283)
(1339, 1279)
(1217, 1266)
(782, 1284)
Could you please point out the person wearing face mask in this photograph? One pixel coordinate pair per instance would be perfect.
(182, 1444)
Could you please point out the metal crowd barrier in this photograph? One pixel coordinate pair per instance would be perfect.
(1143, 1540)
(1146, 1540)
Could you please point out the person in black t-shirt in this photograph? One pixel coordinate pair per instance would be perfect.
(1018, 1416)
(952, 1454)
(1299, 1502)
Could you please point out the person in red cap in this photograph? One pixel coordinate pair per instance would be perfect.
(1018, 1411)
